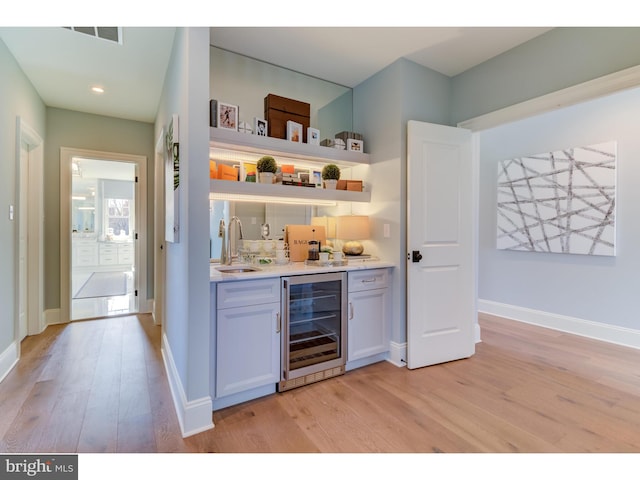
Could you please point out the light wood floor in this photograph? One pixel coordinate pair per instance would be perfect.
(99, 386)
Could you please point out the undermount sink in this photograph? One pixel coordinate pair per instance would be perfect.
(237, 269)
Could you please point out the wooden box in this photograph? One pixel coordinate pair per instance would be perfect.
(278, 110)
(354, 185)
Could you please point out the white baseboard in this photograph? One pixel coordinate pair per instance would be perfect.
(577, 326)
(398, 354)
(52, 316)
(194, 416)
(8, 359)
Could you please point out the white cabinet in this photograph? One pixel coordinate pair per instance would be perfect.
(125, 253)
(108, 254)
(247, 340)
(85, 254)
(368, 316)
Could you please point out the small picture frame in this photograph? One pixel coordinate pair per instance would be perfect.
(313, 136)
(354, 145)
(227, 116)
(260, 126)
(294, 131)
(316, 177)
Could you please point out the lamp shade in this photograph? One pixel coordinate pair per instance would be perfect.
(352, 227)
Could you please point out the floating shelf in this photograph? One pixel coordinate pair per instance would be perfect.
(229, 145)
(248, 191)
(258, 145)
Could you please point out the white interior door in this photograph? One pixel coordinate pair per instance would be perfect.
(440, 270)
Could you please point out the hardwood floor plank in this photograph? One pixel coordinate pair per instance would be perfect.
(101, 385)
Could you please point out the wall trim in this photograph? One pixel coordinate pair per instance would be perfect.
(194, 416)
(605, 85)
(8, 359)
(586, 328)
(398, 354)
(52, 316)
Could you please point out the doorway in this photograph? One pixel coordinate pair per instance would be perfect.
(100, 234)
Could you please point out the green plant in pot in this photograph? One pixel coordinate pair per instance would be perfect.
(266, 167)
(330, 175)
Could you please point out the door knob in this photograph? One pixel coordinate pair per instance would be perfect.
(416, 256)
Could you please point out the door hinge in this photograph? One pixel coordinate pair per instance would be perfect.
(135, 236)
(136, 293)
(136, 179)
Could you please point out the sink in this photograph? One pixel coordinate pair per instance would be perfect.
(237, 269)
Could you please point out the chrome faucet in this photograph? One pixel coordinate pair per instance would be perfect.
(228, 255)
(222, 233)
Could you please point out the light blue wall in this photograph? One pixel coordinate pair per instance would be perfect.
(187, 320)
(66, 128)
(599, 289)
(18, 98)
(558, 59)
(382, 106)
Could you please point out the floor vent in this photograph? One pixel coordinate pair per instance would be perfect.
(111, 34)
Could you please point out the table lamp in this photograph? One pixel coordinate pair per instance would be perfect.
(352, 229)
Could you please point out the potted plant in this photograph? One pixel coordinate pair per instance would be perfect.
(267, 167)
(330, 175)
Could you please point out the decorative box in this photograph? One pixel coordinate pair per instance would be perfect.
(278, 110)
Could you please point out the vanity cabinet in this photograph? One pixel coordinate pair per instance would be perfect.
(368, 316)
(247, 340)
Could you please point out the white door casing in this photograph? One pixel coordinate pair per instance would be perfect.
(159, 259)
(440, 224)
(140, 261)
(30, 232)
(23, 216)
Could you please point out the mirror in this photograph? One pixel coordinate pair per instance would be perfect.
(253, 216)
(245, 82)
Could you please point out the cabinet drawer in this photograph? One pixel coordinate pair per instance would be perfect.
(88, 250)
(108, 259)
(108, 250)
(249, 292)
(368, 279)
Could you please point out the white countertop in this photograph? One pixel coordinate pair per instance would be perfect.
(293, 268)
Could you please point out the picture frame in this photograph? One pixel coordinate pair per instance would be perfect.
(316, 177)
(354, 145)
(227, 116)
(260, 126)
(294, 131)
(313, 136)
(172, 180)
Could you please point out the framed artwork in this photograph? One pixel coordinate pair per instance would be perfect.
(294, 131)
(227, 116)
(260, 126)
(559, 202)
(313, 136)
(354, 145)
(172, 181)
(316, 177)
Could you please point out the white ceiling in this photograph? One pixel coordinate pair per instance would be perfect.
(62, 65)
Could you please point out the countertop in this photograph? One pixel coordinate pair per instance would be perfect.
(293, 268)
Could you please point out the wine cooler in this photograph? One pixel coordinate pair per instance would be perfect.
(314, 328)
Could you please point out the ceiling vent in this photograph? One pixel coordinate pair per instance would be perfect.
(111, 34)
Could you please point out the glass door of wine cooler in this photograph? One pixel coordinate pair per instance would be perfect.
(314, 315)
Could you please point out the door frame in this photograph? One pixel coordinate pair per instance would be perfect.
(66, 159)
(34, 296)
(159, 258)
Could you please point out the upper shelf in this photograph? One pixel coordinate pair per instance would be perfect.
(259, 145)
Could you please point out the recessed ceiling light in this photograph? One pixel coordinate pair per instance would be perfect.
(97, 89)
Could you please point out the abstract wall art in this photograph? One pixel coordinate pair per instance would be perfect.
(559, 202)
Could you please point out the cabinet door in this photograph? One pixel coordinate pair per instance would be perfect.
(368, 323)
(248, 348)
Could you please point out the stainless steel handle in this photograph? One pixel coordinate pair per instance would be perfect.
(350, 311)
(278, 323)
(371, 280)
